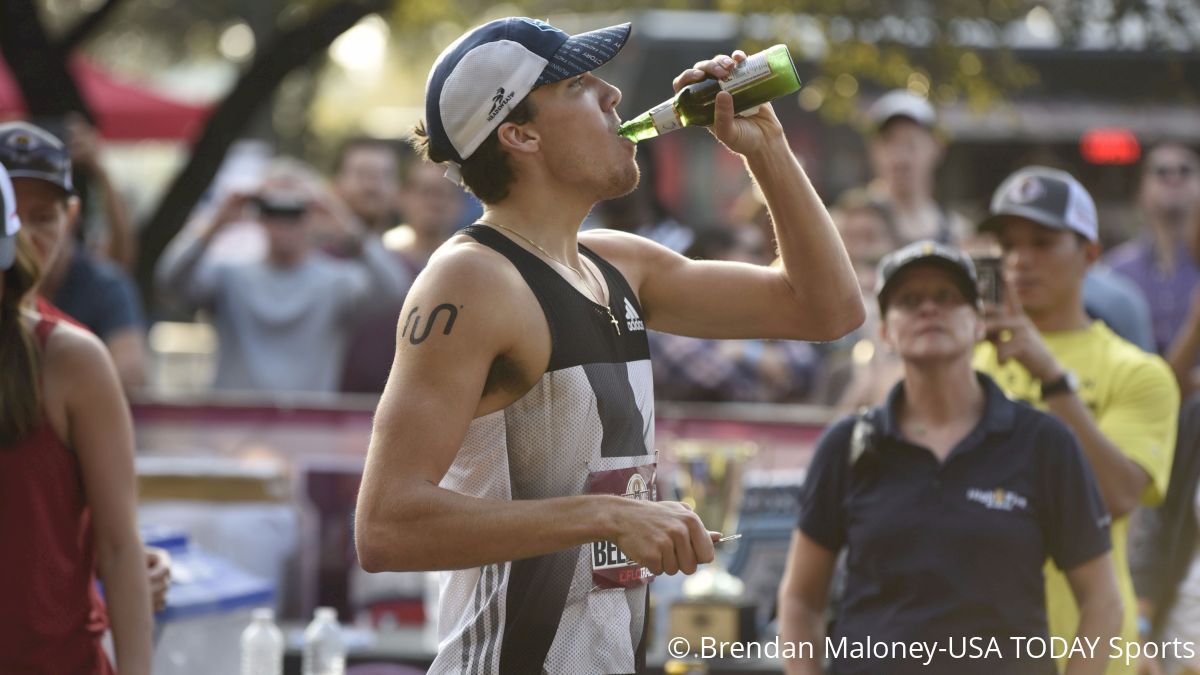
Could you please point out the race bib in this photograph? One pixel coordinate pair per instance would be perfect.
(610, 567)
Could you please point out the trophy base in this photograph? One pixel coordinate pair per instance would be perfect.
(712, 619)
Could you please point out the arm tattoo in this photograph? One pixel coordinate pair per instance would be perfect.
(414, 318)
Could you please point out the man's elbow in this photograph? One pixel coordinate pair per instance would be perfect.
(851, 317)
(383, 545)
(377, 554)
(1128, 499)
(836, 320)
(370, 557)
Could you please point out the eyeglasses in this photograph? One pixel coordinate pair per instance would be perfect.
(1165, 171)
(944, 299)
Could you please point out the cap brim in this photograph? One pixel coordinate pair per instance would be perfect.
(992, 223)
(8, 252)
(927, 124)
(54, 180)
(962, 278)
(584, 52)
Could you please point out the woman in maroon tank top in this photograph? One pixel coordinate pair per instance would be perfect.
(67, 493)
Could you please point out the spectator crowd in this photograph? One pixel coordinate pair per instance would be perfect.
(302, 278)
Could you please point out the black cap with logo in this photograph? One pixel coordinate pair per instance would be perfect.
(954, 261)
(28, 151)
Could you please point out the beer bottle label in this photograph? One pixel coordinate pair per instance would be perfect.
(747, 72)
(665, 118)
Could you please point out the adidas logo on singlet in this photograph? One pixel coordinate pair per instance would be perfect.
(631, 316)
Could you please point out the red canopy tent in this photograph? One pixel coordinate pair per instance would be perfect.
(123, 111)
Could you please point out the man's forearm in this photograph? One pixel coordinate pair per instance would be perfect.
(386, 275)
(122, 245)
(1121, 480)
(179, 263)
(815, 262)
(431, 528)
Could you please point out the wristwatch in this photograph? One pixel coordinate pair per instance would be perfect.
(1065, 384)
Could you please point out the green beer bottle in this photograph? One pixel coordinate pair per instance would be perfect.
(763, 77)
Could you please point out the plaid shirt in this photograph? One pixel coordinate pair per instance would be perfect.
(754, 371)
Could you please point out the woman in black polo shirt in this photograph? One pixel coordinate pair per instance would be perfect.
(948, 500)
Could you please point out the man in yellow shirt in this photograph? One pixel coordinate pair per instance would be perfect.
(1042, 348)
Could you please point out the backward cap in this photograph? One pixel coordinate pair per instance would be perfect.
(477, 80)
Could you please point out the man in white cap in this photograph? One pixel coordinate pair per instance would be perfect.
(1042, 347)
(514, 443)
(905, 152)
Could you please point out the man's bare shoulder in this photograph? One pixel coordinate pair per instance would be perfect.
(616, 241)
(469, 291)
(465, 264)
(633, 254)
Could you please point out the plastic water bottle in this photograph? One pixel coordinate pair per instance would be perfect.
(262, 645)
(324, 651)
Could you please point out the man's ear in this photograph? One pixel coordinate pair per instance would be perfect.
(1091, 251)
(73, 208)
(885, 334)
(519, 138)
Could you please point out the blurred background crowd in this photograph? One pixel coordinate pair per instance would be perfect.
(181, 168)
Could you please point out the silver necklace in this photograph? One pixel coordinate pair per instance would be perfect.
(585, 280)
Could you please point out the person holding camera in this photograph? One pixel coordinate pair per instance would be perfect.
(1042, 348)
(282, 321)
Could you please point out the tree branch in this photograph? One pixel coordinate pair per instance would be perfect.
(286, 51)
(84, 28)
(38, 66)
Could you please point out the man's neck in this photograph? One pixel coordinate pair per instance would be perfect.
(285, 262)
(910, 201)
(1168, 239)
(1069, 317)
(942, 394)
(551, 221)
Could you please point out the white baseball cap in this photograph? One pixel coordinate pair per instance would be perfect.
(12, 224)
(902, 103)
(477, 80)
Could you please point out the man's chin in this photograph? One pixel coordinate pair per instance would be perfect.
(625, 183)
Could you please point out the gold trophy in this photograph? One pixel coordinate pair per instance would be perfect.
(709, 476)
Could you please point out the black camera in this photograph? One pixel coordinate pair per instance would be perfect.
(989, 270)
(280, 208)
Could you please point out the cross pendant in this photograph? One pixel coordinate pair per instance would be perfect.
(612, 319)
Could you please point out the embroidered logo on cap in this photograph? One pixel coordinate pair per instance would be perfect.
(499, 101)
(1027, 190)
